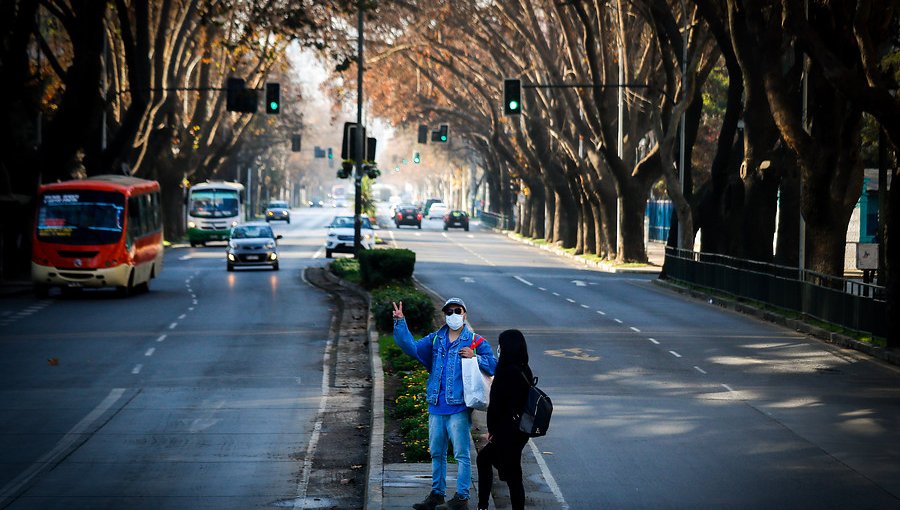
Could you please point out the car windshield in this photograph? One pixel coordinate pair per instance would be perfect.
(252, 232)
(278, 205)
(347, 222)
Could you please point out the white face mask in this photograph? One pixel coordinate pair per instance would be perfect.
(455, 321)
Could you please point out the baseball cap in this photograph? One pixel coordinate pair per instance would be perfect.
(455, 301)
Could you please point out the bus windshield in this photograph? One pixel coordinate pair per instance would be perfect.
(214, 203)
(81, 217)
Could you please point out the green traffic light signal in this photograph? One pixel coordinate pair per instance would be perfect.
(513, 105)
(273, 97)
(416, 158)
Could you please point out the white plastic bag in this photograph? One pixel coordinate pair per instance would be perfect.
(476, 385)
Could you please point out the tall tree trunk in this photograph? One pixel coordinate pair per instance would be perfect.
(787, 249)
(549, 211)
(634, 193)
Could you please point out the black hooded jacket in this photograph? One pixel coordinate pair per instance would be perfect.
(509, 390)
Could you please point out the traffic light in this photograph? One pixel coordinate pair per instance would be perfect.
(349, 144)
(238, 98)
(441, 135)
(345, 170)
(295, 143)
(273, 98)
(416, 158)
(512, 96)
(423, 133)
(330, 154)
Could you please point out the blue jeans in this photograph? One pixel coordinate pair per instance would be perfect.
(456, 428)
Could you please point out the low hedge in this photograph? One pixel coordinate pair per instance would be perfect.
(346, 268)
(383, 267)
(417, 308)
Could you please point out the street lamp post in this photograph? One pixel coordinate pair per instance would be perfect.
(357, 181)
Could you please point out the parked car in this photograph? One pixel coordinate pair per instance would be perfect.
(278, 210)
(340, 235)
(438, 210)
(456, 219)
(408, 215)
(252, 244)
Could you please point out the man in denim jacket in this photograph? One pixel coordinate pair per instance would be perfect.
(448, 417)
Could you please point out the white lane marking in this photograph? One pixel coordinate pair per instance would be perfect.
(64, 446)
(617, 320)
(700, 370)
(191, 309)
(601, 312)
(541, 288)
(467, 279)
(579, 283)
(523, 280)
(636, 330)
(470, 236)
(184, 257)
(137, 369)
(318, 252)
(585, 306)
(303, 483)
(727, 387)
(182, 316)
(194, 302)
(655, 341)
(548, 477)
(172, 326)
(673, 353)
(150, 352)
(570, 300)
(161, 338)
(556, 294)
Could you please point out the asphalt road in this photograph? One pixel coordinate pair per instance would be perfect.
(665, 402)
(199, 394)
(203, 392)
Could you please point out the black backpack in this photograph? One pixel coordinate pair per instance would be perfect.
(534, 419)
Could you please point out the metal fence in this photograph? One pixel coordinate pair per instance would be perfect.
(494, 220)
(839, 301)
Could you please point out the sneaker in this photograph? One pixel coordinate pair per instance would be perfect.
(454, 503)
(433, 500)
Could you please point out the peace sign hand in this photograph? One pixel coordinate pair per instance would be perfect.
(398, 310)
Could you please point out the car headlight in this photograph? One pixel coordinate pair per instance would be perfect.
(367, 237)
(270, 213)
(191, 224)
(270, 245)
(234, 223)
(332, 234)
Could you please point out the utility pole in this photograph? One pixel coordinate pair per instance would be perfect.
(360, 142)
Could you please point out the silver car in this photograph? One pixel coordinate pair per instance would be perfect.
(252, 244)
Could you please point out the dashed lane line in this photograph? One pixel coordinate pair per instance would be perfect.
(700, 370)
(673, 353)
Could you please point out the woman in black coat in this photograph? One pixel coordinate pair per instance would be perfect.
(509, 392)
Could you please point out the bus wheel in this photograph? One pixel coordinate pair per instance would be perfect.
(41, 291)
(125, 290)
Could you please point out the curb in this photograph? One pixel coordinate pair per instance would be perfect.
(833, 338)
(602, 266)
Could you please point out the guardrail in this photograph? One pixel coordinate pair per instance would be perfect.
(839, 301)
(495, 220)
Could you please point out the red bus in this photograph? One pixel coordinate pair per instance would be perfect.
(105, 231)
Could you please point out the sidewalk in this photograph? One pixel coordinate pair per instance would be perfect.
(656, 255)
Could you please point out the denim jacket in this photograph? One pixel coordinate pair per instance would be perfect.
(441, 362)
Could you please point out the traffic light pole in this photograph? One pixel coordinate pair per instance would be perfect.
(360, 140)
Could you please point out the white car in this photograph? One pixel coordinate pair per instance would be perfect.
(340, 235)
(438, 210)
